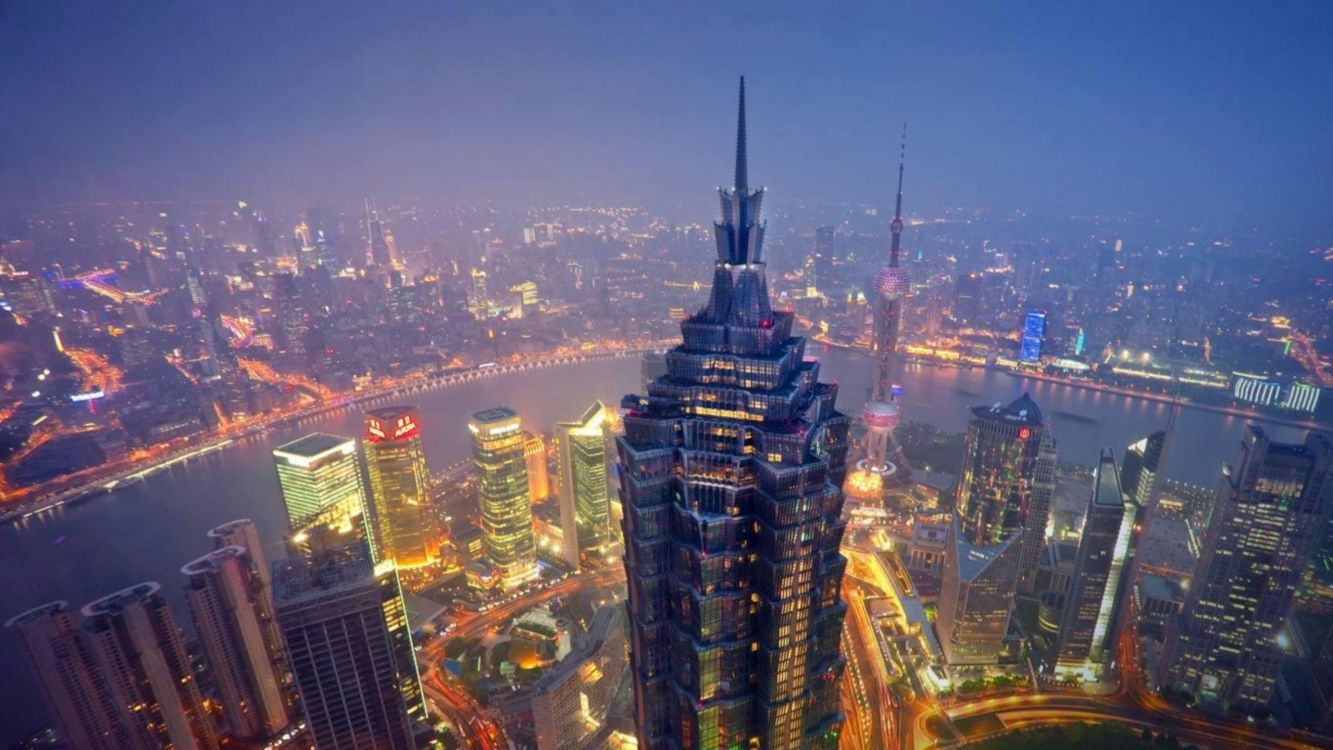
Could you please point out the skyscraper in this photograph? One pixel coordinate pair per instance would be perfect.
(585, 505)
(231, 615)
(322, 490)
(1089, 625)
(570, 702)
(539, 480)
(730, 475)
(406, 526)
(1141, 467)
(377, 245)
(350, 649)
(82, 708)
(820, 281)
(1034, 336)
(502, 490)
(1272, 508)
(998, 530)
(139, 651)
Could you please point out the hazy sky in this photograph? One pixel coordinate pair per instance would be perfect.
(1209, 112)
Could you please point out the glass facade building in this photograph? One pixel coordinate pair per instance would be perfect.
(731, 468)
(1088, 628)
(585, 506)
(502, 490)
(406, 526)
(1272, 510)
(322, 490)
(349, 647)
(1034, 335)
(999, 528)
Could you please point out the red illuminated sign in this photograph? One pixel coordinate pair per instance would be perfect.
(1024, 433)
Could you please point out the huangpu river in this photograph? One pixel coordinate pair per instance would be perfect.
(148, 531)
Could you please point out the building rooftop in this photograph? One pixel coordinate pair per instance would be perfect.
(213, 560)
(973, 561)
(1022, 411)
(494, 414)
(112, 604)
(50, 608)
(313, 446)
(313, 576)
(1106, 485)
(390, 413)
(1160, 587)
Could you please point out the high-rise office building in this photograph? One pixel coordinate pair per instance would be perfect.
(502, 490)
(141, 655)
(81, 706)
(585, 505)
(539, 477)
(1089, 626)
(1141, 468)
(322, 491)
(349, 647)
(819, 281)
(999, 528)
(730, 476)
(1034, 336)
(1272, 508)
(243, 533)
(231, 615)
(406, 525)
(378, 252)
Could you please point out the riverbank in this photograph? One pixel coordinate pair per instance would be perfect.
(110, 480)
(1304, 424)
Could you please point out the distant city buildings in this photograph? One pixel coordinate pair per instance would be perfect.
(349, 647)
(502, 489)
(1272, 507)
(1034, 336)
(407, 529)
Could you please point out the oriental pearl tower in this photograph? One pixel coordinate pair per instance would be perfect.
(882, 413)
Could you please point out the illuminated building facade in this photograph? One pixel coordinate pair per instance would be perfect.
(141, 656)
(1272, 509)
(1007, 480)
(406, 526)
(999, 528)
(80, 703)
(502, 490)
(1034, 336)
(322, 491)
(976, 598)
(539, 479)
(232, 617)
(349, 647)
(585, 505)
(731, 470)
(1088, 628)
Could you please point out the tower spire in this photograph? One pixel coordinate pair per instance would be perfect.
(896, 226)
(742, 181)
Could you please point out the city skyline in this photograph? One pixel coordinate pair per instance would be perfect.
(489, 434)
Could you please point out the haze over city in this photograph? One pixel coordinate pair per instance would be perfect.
(498, 376)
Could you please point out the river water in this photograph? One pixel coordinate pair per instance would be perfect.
(148, 531)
